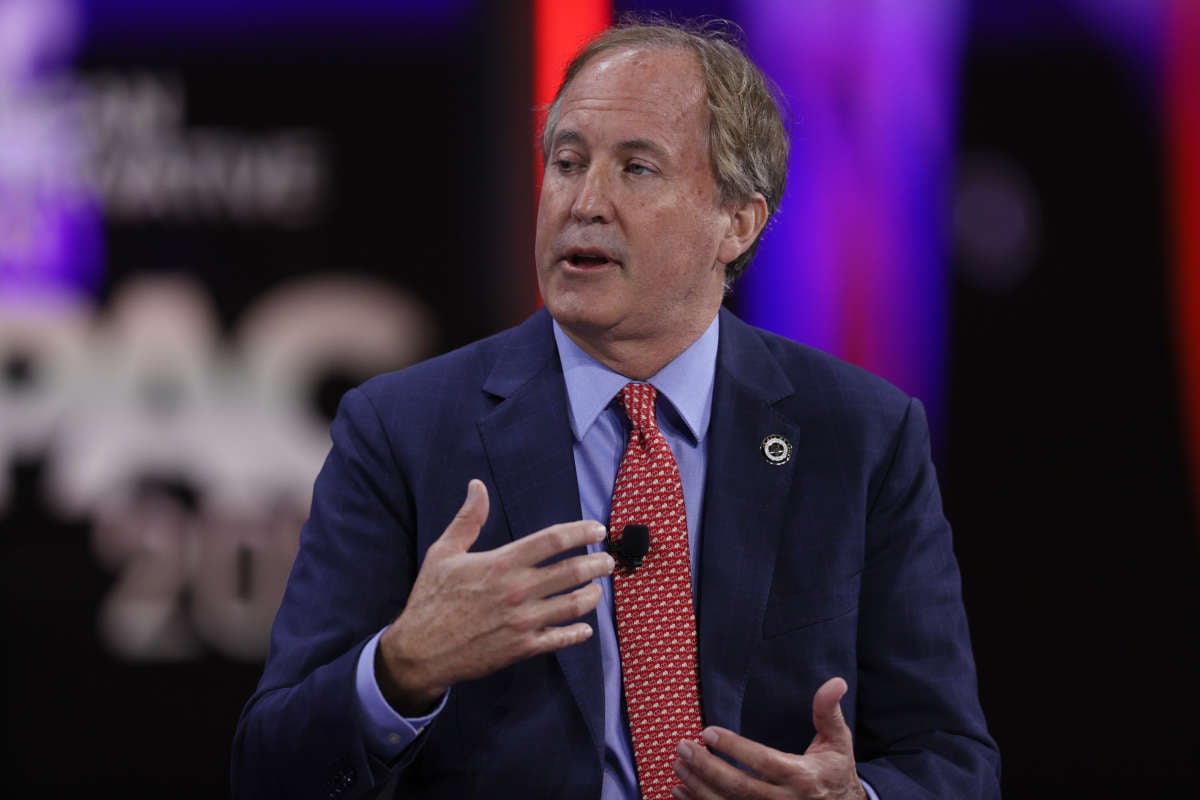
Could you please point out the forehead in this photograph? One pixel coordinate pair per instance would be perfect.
(661, 90)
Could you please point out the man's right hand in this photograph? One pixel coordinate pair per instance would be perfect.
(470, 614)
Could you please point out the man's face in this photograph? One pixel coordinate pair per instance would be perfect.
(630, 231)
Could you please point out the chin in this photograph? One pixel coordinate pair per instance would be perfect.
(577, 312)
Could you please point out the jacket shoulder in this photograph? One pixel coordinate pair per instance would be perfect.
(815, 374)
(464, 370)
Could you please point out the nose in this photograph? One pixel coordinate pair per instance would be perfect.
(593, 204)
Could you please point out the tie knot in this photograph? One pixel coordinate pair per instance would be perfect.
(638, 401)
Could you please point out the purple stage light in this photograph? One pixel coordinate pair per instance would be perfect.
(51, 239)
(856, 261)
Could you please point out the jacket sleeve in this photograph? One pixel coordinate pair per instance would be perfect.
(299, 735)
(920, 730)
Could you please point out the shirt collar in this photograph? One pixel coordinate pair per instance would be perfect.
(687, 382)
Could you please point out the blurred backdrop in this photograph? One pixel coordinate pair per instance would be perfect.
(217, 215)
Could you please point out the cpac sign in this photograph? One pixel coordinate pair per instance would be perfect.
(191, 454)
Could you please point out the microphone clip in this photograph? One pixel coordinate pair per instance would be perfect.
(631, 548)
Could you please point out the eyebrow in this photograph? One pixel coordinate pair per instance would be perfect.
(571, 136)
(566, 136)
(643, 146)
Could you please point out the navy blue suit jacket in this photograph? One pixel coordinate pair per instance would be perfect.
(838, 562)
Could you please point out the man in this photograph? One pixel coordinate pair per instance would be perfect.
(431, 647)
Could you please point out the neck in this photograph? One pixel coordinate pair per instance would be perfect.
(636, 358)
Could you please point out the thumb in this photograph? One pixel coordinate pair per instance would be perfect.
(832, 730)
(464, 529)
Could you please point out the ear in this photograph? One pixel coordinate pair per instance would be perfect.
(745, 224)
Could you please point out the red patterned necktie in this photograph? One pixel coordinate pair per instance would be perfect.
(656, 626)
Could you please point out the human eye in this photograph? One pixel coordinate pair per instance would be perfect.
(638, 168)
(567, 162)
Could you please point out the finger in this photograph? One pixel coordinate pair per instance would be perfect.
(827, 716)
(571, 572)
(692, 784)
(563, 608)
(537, 547)
(773, 765)
(708, 776)
(464, 529)
(556, 637)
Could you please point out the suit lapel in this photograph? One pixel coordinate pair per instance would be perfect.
(527, 438)
(528, 441)
(744, 515)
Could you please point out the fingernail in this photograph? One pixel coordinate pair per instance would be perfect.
(612, 564)
(684, 751)
(710, 737)
(680, 770)
(598, 532)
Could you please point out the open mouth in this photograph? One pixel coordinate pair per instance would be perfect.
(585, 259)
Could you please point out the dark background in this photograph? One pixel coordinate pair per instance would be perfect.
(1063, 461)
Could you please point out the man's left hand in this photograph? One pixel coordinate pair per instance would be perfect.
(826, 770)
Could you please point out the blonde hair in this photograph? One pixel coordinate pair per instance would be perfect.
(747, 139)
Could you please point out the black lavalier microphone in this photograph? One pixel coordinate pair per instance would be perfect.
(632, 547)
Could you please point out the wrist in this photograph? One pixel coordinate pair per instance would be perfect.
(400, 678)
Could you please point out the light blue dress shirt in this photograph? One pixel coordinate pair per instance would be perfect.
(601, 430)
